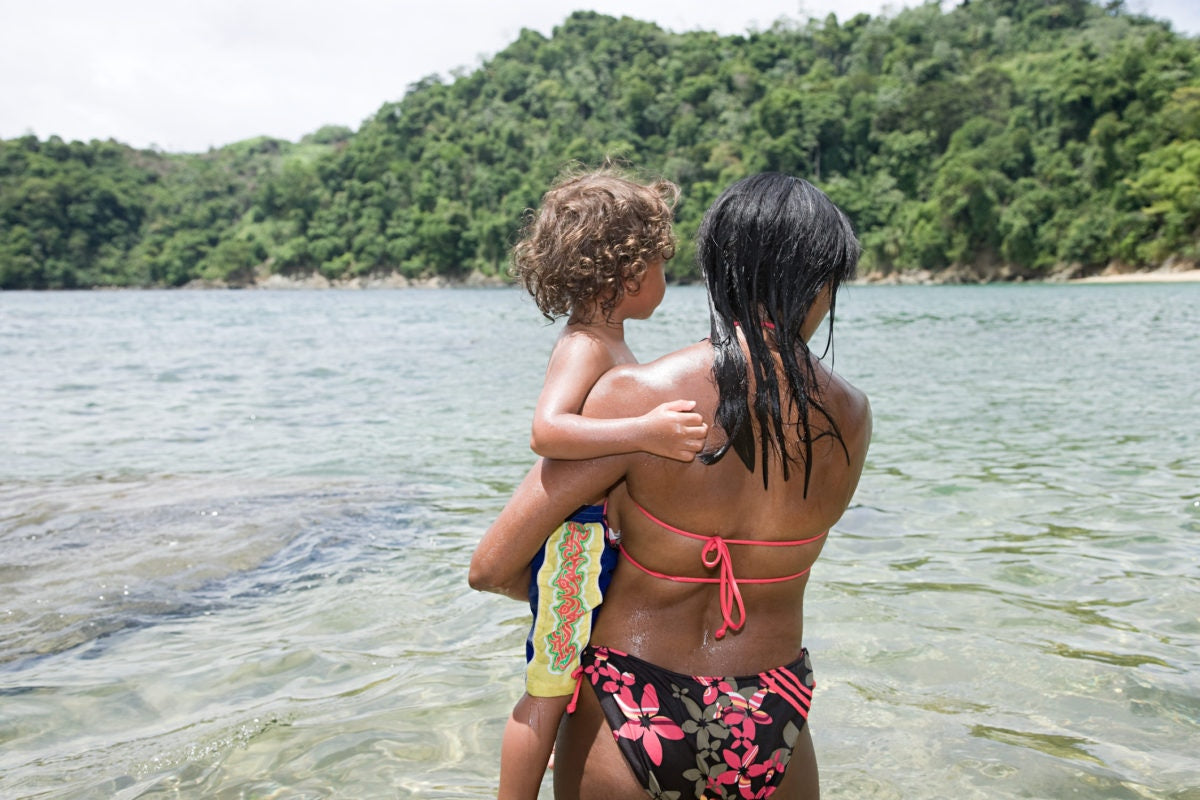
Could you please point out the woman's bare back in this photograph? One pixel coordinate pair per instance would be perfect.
(674, 623)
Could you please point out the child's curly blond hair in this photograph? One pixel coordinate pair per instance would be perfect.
(595, 233)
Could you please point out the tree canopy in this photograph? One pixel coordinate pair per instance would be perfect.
(1016, 134)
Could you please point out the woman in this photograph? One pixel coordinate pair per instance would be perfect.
(696, 681)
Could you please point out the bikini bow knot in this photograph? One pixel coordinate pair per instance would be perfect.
(715, 555)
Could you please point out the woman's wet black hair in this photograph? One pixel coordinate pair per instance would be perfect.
(768, 247)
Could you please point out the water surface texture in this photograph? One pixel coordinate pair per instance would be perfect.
(235, 528)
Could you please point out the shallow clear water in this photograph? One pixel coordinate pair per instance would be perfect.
(235, 529)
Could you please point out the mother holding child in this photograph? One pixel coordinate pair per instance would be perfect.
(694, 680)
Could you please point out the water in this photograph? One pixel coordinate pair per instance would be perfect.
(235, 529)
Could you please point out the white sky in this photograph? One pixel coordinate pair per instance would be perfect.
(184, 75)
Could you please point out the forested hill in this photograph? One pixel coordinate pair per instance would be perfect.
(1009, 137)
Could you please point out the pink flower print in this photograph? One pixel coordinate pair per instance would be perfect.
(644, 723)
(713, 688)
(773, 765)
(599, 663)
(742, 770)
(764, 772)
(743, 715)
(601, 670)
(622, 680)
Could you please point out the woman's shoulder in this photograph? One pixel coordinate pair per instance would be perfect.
(854, 399)
(666, 371)
(623, 390)
(851, 409)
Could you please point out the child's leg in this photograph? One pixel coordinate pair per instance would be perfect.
(528, 741)
(567, 579)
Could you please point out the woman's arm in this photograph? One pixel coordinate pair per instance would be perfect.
(550, 492)
(859, 412)
(554, 489)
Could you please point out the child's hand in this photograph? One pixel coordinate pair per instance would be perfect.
(675, 431)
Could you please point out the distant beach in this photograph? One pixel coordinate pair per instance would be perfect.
(1158, 276)
(316, 280)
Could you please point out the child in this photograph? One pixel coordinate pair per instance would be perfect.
(595, 254)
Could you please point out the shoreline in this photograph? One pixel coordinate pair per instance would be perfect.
(1157, 276)
(1179, 273)
(476, 280)
(316, 280)
(915, 278)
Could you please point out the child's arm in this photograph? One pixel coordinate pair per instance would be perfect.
(671, 430)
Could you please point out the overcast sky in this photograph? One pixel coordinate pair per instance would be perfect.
(187, 75)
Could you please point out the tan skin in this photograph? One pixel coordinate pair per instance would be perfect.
(590, 345)
(668, 623)
(586, 350)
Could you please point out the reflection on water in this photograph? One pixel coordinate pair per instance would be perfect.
(1067, 747)
(236, 526)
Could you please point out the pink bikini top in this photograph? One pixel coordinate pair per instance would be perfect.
(715, 555)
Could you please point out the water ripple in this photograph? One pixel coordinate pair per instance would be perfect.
(235, 556)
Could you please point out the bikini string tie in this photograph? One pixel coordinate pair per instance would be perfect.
(577, 674)
(715, 555)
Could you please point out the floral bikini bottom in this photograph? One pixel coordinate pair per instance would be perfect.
(688, 736)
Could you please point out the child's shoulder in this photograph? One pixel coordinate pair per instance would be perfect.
(584, 348)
